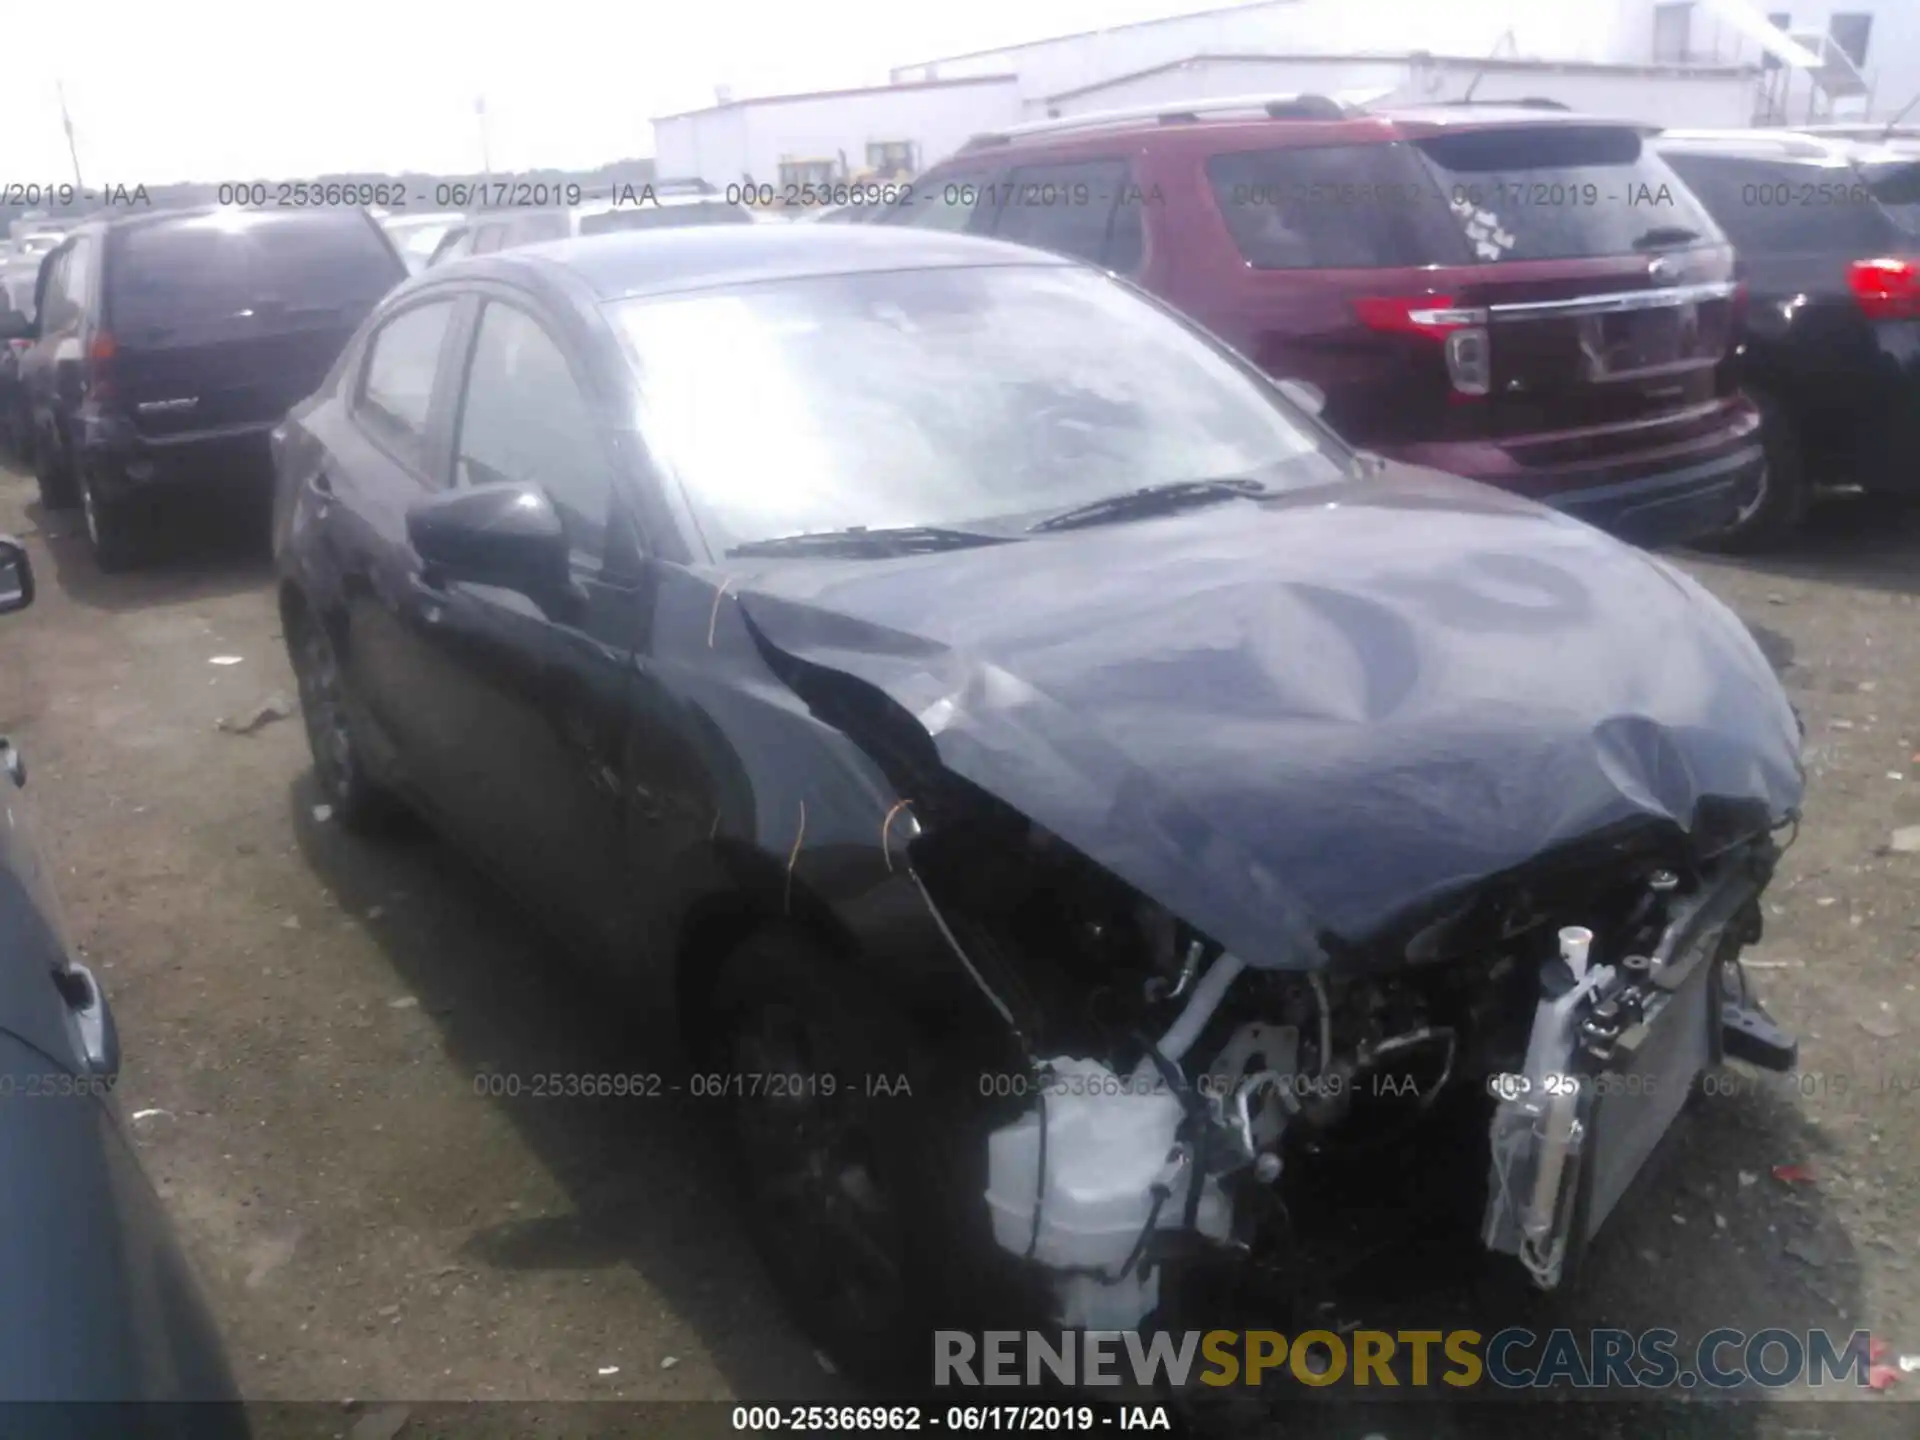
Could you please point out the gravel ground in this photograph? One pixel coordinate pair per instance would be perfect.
(313, 1018)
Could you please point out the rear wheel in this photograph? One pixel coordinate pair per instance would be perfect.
(1776, 507)
(359, 802)
(112, 528)
(54, 471)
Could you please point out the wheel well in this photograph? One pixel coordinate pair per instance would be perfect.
(755, 893)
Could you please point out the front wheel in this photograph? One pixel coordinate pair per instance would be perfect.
(849, 1151)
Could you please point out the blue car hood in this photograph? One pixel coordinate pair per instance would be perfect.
(1295, 721)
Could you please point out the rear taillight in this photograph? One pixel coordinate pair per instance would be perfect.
(1461, 331)
(99, 369)
(1887, 288)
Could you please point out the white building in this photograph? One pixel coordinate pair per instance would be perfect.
(831, 134)
(1693, 63)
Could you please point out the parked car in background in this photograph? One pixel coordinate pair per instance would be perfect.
(16, 318)
(922, 657)
(1829, 230)
(663, 205)
(1523, 296)
(103, 1303)
(417, 236)
(165, 346)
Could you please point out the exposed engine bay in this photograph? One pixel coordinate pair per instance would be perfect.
(1177, 1108)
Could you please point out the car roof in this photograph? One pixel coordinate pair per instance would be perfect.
(1234, 125)
(627, 264)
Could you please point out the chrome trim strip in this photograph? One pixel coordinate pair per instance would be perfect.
(1620, 304)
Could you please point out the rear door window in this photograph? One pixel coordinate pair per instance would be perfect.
(1562, 192)
(1072, 209)
(944, 202)
(1333, 207)
(1781, 208)
(203, 273)
(396, 391)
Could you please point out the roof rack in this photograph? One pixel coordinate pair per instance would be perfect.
(1265, 107)
(1527, 102)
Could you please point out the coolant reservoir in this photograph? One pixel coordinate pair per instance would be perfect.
(1109, 1141)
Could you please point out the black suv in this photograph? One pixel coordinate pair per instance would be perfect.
(167, 345)
(1829, 230)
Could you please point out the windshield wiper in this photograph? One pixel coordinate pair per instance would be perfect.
(1153, 500)
(1662, 235)
(858, 540)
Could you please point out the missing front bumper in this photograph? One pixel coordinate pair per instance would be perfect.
(1607, 1076)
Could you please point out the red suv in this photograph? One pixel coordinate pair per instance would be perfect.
(1515, 293)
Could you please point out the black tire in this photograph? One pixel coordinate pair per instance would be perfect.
(52, 469)
(1776, 511)
(113, 529)
(863, 1207)
(331, 713)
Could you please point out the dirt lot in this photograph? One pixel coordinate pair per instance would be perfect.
(304, 1016)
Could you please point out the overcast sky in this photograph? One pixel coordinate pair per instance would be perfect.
(217, 90)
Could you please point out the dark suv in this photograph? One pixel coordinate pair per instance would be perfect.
(167, 345)
(1829, 232)
(1516, 294)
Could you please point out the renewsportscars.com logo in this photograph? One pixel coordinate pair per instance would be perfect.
(1512, 1359)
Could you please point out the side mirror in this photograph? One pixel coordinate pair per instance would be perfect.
(505, 535)
(16, 576)
(14, 325)
(1304, 394)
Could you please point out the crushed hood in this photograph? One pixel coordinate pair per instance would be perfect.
(1295, 721)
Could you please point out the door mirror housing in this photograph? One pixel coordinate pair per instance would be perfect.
(1304, 394)
(16, 576)
(14, 325)
(505, 535)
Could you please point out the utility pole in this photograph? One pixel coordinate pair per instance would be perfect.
(486, 158)
(66, 122)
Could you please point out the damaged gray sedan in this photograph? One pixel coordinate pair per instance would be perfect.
(1109, 844)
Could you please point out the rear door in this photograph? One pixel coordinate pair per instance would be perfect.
(228, 320)
(388, 452)
(1493, 281)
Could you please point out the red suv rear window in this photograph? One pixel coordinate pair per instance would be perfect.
(1563, 192)
(1326, 207)
(1553, 192)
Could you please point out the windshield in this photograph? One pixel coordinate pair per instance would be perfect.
(941, 396)
(653, 217)
(1563, 192)
(312, 267)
